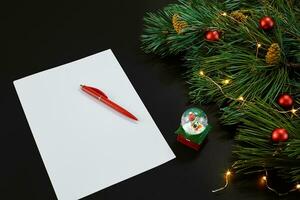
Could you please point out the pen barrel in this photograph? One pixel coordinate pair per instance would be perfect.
(117, 108)
(101, 96)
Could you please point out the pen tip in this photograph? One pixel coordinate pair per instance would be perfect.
(81, 85)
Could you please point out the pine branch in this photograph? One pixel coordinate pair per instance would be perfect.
(240, 57)
(255, 149)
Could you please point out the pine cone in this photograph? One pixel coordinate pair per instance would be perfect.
(273, 54)
(178, 24)
(238, 16)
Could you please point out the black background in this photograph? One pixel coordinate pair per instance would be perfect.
(38, 36)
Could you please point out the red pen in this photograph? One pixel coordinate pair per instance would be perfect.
(101, 96)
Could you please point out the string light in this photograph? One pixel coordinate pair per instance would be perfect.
(227, 175)
(293, 111)
(224, 14)
(226, 82)
(258, 45)
(241, 98)
(264, 180)
(201, 73)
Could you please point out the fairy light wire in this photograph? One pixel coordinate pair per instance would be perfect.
(265, 180)
(241, 98)
(226, 82)
(293, 111)
(227, 176)
(228, 173)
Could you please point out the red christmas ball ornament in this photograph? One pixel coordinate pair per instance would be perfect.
(280, 135)
(275, 136)
(212, 35)
(266, 23)
(285, 100)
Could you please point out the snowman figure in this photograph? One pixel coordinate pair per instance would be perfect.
(193, 129)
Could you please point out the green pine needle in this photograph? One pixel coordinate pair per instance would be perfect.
(237, 58)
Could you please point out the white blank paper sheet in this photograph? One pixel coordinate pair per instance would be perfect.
(85, 145)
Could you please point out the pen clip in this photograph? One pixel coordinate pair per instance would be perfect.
(95, 91)
(100, 93)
